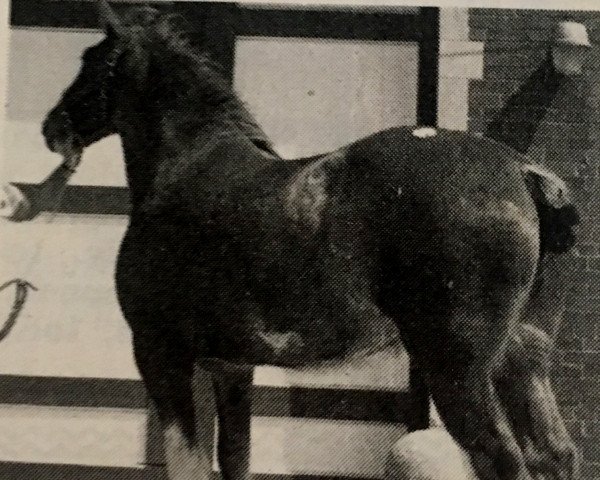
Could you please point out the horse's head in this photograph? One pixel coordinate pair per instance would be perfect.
(87, 108)
(144, 74)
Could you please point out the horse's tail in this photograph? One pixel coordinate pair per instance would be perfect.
(557, 213)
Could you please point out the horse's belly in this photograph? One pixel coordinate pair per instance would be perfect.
(322, 322)
(279, 313)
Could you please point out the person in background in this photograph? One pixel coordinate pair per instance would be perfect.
(517, 122)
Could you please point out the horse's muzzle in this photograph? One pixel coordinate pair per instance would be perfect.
(59, 134)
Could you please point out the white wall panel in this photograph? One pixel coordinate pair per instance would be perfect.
(314, 95)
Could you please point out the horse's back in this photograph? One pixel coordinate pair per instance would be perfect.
(418, 158)
(443, 176)
(411, 207)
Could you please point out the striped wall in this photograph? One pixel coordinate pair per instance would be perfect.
(71, 402)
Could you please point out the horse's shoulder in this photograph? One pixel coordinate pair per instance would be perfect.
(306, 194)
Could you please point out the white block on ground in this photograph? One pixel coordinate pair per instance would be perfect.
(428, 455)
(321, 447)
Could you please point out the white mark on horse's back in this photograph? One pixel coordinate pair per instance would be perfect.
(424, 132)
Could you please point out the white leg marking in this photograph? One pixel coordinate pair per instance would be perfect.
(185, 462)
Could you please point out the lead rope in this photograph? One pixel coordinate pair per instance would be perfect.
(22, 286)
(21, 292)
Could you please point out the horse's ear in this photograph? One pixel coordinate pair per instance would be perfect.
(110, 21)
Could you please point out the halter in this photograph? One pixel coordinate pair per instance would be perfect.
(111, 61)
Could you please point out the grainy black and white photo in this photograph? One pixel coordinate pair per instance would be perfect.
(299, 240)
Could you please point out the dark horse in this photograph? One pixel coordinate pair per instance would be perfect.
(234, 257)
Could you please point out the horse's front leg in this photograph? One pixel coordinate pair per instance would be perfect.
(233, 388)
(167, 369)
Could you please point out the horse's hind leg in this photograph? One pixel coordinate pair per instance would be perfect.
(523, 380)
(526, 392)
(456, 338)
(168, 371)
(464, 392)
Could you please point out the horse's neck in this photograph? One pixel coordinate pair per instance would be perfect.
(156, 131)
(154, 155)
(140, 149)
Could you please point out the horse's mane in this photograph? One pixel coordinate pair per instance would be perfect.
(193, 82)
